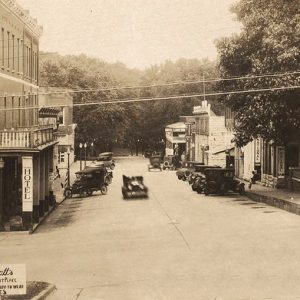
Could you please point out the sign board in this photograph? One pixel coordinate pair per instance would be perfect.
(257, 150)
(280, 161)
(12, 279)
(27, 183)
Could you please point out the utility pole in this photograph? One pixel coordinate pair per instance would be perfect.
(203, 83)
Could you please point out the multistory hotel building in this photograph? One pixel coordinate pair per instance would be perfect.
(26, 148)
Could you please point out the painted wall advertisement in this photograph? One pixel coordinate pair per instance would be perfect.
(27, 183)
(12, 279)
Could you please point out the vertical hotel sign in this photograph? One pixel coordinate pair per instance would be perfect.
(27, 183)
(280, 161)
(257, 152)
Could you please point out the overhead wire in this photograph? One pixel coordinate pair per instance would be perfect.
(114, 88)
(174, 97)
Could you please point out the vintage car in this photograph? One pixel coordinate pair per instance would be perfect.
(107, 159)
(197, 178)
(184, 173)
(155, 162)
(148, 152)
(133, 187)
(89, 180)
(221, 180)
(168, 163)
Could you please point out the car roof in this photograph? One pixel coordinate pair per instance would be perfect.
(88, 170)
(106, 154)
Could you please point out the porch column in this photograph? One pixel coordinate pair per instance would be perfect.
(27, 191)
(1, 195)
(36, 188)
(42, 183)
(47, 161)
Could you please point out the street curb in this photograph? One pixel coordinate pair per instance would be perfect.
(276, 202)
(43, 294)
(46, 216)
(34, 228)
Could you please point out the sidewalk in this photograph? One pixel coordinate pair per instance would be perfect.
(58, 190)
(281, 198)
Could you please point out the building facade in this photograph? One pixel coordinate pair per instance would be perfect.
(58, 111)
(276, 166)
(26, 148)
(175, 138)
(212, 139)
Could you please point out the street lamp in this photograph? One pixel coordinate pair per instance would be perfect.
(85, 145)
(80, 154)
(92, 146)
(68, 153)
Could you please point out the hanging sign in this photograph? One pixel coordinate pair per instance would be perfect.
(280, 161)
(27, 183)
(257, 151)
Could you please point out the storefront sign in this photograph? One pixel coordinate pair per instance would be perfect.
(12, 280)
(280, 161)
(27, 183)
(257, 151)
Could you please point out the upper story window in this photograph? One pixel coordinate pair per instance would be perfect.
(8, 45)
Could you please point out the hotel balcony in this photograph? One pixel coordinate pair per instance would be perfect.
(27, 138)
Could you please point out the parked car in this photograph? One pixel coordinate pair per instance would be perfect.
(134, 187)
(168, 163)
(221, 180)
(107, 159)
(197, 178)
(155, 162)
(87, 181)
(148, 153)
(184, 173)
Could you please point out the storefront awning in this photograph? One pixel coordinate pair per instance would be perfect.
(48, 112)
(221, 149)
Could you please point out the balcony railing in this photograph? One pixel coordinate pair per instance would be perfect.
(26, 137)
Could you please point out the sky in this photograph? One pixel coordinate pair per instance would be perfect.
(138, 33)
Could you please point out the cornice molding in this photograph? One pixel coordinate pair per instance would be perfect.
(23, 14)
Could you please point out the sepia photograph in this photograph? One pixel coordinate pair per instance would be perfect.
(149, 149)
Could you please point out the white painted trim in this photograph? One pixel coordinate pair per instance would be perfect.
(9, 77)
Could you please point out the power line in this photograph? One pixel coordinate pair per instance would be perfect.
(72, 91)
(179, 97)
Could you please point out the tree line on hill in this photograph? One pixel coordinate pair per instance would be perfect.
(267, 44)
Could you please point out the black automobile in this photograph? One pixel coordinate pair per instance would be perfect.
(184, 173)
(87, 181)
(133, 187)
(107, 159)
(221, 180)
(155, 162)
(148, 153)
(197, 178)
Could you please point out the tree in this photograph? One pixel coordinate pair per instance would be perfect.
(268, 44)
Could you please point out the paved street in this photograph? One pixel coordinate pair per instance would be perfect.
(175, 245)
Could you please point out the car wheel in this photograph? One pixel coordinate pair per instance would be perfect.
(103, 189)
(242, 190)
(83, 193)
(68, 193)
(89, 192)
